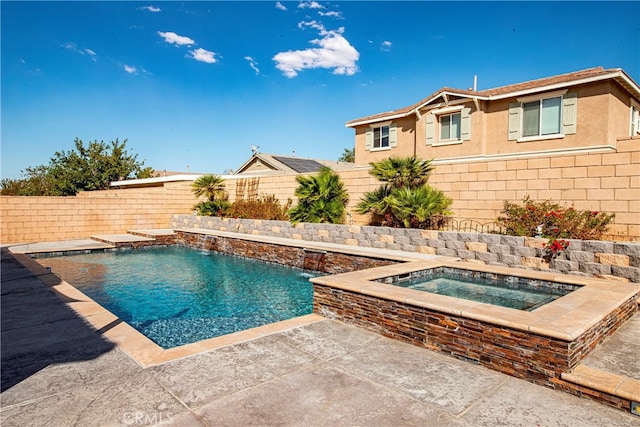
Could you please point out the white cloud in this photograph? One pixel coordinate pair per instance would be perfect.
(333, 52)
(310, 5)
(150, 8)
(386, 45)
(334, 14)
(74, 48)
(203, 55)
(171, 37)
(280, 6)
(130, 70)
(253, 64)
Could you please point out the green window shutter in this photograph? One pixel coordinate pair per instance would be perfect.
(368, 139)
(514, 121)
(393, 135)
(465, 124)
(569, 113)
(430, 128)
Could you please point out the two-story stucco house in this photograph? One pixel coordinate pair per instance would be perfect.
(584, 111)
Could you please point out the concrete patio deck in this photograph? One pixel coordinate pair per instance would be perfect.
(59, 371)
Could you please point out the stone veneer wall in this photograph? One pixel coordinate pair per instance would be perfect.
(610, 260)
(329, 262)
(521, 354)
(518, 353)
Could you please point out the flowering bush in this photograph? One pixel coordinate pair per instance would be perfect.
(550, 220)
(554, 248)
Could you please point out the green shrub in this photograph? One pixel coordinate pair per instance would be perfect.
(265, 207)
(321, 198)
(550, 220)
(421, 207)
(404, 199)
(212, 208)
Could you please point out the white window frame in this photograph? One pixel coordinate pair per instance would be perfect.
(373, 141)
(634, 119)
(458, 138)
(539, 99)
(446, 112)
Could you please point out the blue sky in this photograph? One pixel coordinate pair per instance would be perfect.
(196, 84)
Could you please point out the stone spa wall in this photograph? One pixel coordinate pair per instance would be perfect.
(588, 258)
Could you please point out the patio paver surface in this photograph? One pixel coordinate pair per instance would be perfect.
(58, 371)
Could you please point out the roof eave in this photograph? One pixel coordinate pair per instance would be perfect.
(616, 75)
(395, 115)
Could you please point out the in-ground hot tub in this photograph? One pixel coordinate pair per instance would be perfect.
(520, 293)
(537, 345)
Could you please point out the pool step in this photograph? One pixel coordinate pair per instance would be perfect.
(593, 382)
(137, 238)
(611, 371)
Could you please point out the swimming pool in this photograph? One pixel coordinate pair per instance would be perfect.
(176, 295)
(505, 291)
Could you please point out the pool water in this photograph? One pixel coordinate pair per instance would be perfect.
(176, 295)
(515, 295)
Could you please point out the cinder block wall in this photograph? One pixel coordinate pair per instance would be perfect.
(608, 181)
(41, 219)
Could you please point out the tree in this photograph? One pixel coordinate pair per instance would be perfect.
(321, 198)
(421, 207)
(399, 172)
(404, 199)
(211, 187)
(85, 168)
(348, 155)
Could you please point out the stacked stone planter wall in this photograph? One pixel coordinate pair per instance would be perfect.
(591, 258)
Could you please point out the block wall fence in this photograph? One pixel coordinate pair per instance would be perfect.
(41, 219)
(604, 181)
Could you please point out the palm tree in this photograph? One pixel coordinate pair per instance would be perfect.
(415, 206)
(400, 172)
(321, 198)
(210, 186)
(404, 198)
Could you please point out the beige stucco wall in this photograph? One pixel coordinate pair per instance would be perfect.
(607, 182)
(602, 118)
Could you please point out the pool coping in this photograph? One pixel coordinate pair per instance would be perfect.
(565, 318)
(141, 349)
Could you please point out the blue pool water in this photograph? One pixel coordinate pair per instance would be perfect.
(505, 291)
(177, 295)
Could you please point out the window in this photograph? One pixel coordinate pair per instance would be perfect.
(381, 137)
(635, 119)
(549, 116)
(454, 123)
(541, 117)
(450, 127)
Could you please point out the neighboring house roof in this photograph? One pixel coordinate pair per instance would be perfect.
(157, 181)
(288, 164)
(539, 85)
